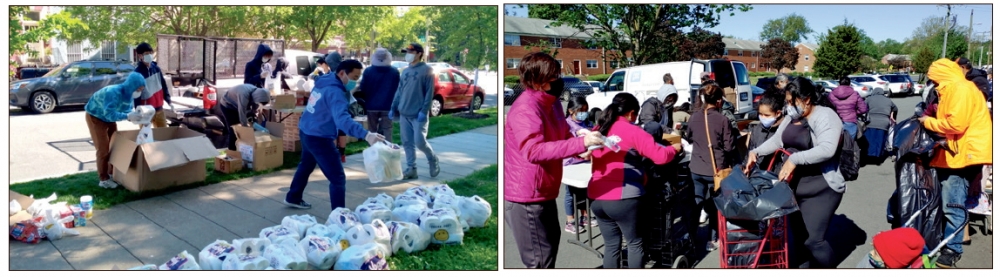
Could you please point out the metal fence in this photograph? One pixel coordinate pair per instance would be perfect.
(184, 55)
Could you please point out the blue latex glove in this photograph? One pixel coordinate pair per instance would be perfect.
(392, 115)
(422, 117)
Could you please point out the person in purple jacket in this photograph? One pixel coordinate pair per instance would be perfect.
(536, 140)
(849, 105)
(576, 117)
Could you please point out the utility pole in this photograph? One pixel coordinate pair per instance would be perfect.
(969, 37)
(944, 48)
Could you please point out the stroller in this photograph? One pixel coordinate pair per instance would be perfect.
(928, 256)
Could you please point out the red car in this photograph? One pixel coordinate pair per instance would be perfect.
(454, 90)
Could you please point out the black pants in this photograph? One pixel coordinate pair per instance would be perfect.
(536, 231)
(229, 117)
(817, 205)
(618, 218)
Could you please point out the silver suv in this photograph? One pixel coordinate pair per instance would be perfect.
(875, 81)
(70, 84)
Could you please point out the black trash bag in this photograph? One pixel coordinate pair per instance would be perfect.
(917, 186)
(910, 137)
(740, 199)
(744, 246)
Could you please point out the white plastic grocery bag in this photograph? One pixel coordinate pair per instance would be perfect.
(299, 223)
(440, 189)
(383, 162)
(420, 191)
(274, 233)
(410, 199)
(362, 257)
(475, 210)
(408, 213)
(343, 219)
(182, 261)
(286, 256)
(248, 255)
(382, 199)
(367, 212)
(443, 225)
(407, 237)
(54, 228)
(211, 257)
(321, 252)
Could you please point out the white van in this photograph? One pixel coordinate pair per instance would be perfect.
(645, 80)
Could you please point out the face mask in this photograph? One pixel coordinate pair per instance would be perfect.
(793, 111)
(556, 88)
(147, 58)
(669, 104)
(767, 122)
(136, 94)
(410, 57)
(581, 116)
(267, 60)
(351, 84)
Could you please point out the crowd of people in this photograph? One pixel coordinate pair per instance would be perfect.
(389, 96)
(794, 115)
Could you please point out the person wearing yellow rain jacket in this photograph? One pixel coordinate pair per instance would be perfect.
(963, 119)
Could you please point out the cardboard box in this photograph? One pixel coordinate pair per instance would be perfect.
(293, 145)
(671, 138)
(284, 102)
(177, 157)
(25, 203)
(260, 151)
(730, 95)
(229, 163)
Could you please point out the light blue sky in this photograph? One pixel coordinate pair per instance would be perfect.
(879, 21)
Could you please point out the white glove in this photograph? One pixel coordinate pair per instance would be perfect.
(374, 138)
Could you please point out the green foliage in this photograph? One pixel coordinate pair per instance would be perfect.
(780, 54)
(639, 29)
(839, 52)
(762, 74)
(792, 28)
(55, 25)
(511, 79)
(466, 27)
(598, 77)
(889, 46)
(957, 44)
(923, 59)
(398, 31)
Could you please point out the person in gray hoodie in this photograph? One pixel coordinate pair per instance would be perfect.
(812, 134)
(236, 104)
(411, 106)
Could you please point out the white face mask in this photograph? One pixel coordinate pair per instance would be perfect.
(410, 57)
(767, 122)
(148, 58)
(136, 94)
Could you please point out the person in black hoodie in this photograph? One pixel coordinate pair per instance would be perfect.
(254, 72)
(156, 92)
(977, 76)
(281, 69)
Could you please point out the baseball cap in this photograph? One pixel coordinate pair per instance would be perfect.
(963, 62)
(415, 47)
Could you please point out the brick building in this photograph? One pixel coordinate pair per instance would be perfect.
(907, 63)
(807, 58)
(746, 51)
(575, 57)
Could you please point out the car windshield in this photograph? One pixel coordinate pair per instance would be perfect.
(571, 80)
(55, 71)
(894, 78)
(595, 84)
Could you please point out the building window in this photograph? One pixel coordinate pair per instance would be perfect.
(740, 53)
(807, 58)
(753, 65)
(512, 63)
(591, 63)
(555, 42)
(806, 68)
(560, 63)
(513, 40)
(726, 53)
(614, 64)
(74, 52)
(108, 50)
(753, 53)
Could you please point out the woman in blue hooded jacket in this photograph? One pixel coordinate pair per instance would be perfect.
(104, 109)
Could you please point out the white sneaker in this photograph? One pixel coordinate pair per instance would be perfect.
(704, 217)
(108, 184)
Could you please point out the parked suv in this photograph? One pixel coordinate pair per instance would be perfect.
(70, 84)
(898, 84)
(875, 81)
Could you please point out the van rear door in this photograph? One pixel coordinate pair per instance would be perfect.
(744, 103)
(697, 67)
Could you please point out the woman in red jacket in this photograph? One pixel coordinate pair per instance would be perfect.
(618, 180)
(536, 140)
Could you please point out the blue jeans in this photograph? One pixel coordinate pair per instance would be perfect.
(954, 190)
(414, 135)
(323, 152)
(568, 201)
(851, 128)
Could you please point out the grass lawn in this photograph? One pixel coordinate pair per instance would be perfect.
(479, 246)
(70, 187)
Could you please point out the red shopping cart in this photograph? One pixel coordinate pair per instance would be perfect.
(754, 244)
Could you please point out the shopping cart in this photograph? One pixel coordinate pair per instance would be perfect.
(754, 244)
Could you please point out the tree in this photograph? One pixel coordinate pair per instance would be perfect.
(957, 46)
(889, 46)
(928, 29)
(641, 30)
(398, 31)
(923, 59)
(467, 27)
(792, 28)
(359, 24)
(701, 44)
(839, 52)
(131, 25)
(55, 25)
(778, 54)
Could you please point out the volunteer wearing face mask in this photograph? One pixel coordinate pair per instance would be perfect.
(255, 72)
(324, 116)
(536, 140)
(333, 60)
(281, 72)
(156, 86)
(321, 68)
(812, 134)
(576, 117)
(104, 109)
(238, 105)
(770, 111)
(411, 107)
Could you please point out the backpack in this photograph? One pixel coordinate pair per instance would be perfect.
(850, 157)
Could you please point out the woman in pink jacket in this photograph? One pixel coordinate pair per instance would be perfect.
(618, 179)
(536, 140)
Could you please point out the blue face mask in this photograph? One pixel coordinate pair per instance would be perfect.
(581, 116)
(351, 84)
(767, 122)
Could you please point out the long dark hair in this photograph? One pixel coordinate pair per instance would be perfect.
(712, 93)
(803, 89)
(575, 104)
(622, 104)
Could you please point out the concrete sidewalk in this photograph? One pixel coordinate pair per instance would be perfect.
(153, 230)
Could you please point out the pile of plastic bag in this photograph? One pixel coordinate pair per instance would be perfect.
(383, 162)
(48, 220)
(359, 239)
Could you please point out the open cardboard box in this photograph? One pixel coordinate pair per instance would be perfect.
(671, 138)
(25, 202)
(267, 149)
(229, 163)
(177, 157)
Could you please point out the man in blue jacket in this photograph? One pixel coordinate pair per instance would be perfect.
(411, 107)
(379, 84)
(324, 116)
(104, 109)
(254, 73)
(156, 92)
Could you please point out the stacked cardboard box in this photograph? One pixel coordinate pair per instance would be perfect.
(291, 136)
